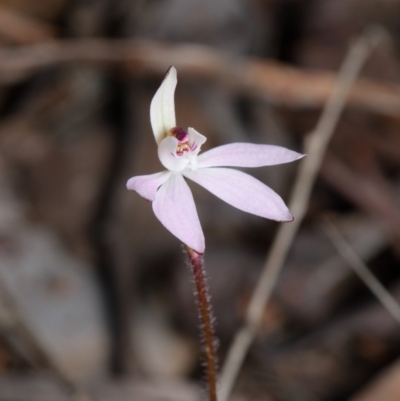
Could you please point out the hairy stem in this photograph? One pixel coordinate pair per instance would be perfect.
(206, 321)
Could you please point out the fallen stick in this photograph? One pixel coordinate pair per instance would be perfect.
(21, 29)
(274, 82)
(316, 145)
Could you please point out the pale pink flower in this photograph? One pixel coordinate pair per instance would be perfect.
(178, 151)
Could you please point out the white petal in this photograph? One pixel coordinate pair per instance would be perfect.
(246, 155)
(197, 139)
(168, 157)
(162, 107)
(147, 185)
(175, 208)
(242, 191)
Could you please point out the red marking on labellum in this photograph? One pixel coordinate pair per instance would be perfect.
(183, 140)
(180, 134)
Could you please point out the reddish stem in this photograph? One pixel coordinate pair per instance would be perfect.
(206, 320)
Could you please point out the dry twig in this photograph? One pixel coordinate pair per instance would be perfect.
(277, 83)
(359, 267)
(316, 144)
(21, 29)
(371, 194)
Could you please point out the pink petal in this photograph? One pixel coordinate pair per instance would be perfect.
(168, 157)
(242, 191)
(162, 107)
(175, 208)
(147, 185)
(246, 155)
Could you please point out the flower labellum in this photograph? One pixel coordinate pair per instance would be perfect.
(178, 151)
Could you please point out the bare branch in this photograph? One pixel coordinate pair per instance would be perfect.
(21, 29)
(275, 82)
(359, 267)
(316, 145)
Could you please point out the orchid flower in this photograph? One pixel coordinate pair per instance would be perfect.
(178, 151)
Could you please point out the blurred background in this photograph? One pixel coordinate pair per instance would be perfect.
(95, 296)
